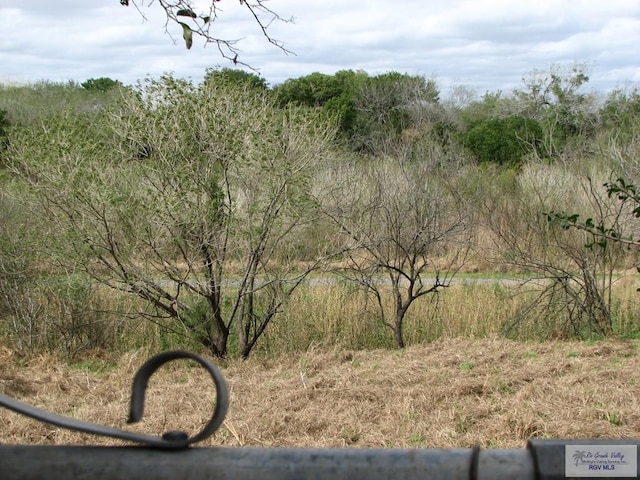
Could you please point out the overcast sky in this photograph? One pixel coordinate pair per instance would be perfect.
(482, 44)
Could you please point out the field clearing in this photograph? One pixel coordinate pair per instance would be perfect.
(449, 393)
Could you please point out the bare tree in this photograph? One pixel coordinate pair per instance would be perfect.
(404, 232)
(200, 21)
(571, 272)
(554, 99)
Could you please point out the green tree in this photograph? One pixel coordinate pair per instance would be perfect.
(199, 227)
(101, 84)
(313, 90)
(235, 77)
(504, 140)
(372, 112)
(334, 94)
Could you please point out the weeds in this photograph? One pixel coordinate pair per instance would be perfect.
(614, 419)
(417, 440)
(466, 365)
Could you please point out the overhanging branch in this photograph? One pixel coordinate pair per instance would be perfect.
(194, 21)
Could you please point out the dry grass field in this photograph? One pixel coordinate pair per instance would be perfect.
(450, 393)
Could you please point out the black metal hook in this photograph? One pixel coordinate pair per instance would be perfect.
(170, 440)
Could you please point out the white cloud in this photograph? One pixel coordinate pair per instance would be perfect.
(485, 44)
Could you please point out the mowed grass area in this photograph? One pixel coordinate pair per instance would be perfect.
(454, 392)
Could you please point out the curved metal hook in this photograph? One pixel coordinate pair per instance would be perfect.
(170, 440)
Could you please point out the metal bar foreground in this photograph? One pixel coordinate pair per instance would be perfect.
(541, 460)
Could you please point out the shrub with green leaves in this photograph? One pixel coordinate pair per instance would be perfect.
(101, 84)
(224, 184)
(504, 140)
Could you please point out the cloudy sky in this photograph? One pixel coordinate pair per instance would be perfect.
(482, 44)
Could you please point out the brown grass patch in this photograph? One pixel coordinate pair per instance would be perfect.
(450, 393)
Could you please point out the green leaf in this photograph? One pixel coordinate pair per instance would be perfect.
(206, 19)
(186, 13)
(187, 34)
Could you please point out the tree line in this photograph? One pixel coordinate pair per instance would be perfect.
(213, 202)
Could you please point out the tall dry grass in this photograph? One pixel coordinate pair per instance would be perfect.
(336, 315)
(333, 315)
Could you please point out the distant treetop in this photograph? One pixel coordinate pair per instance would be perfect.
(101, 84)
(235, 76)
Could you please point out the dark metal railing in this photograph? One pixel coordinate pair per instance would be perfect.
(170, 456)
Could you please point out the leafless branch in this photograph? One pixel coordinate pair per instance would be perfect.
(183, 13)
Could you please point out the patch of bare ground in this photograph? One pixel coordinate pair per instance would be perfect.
(451, 393)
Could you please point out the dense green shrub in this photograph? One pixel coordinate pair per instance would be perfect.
(236, 77)
(101, 84)
(504, 140)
